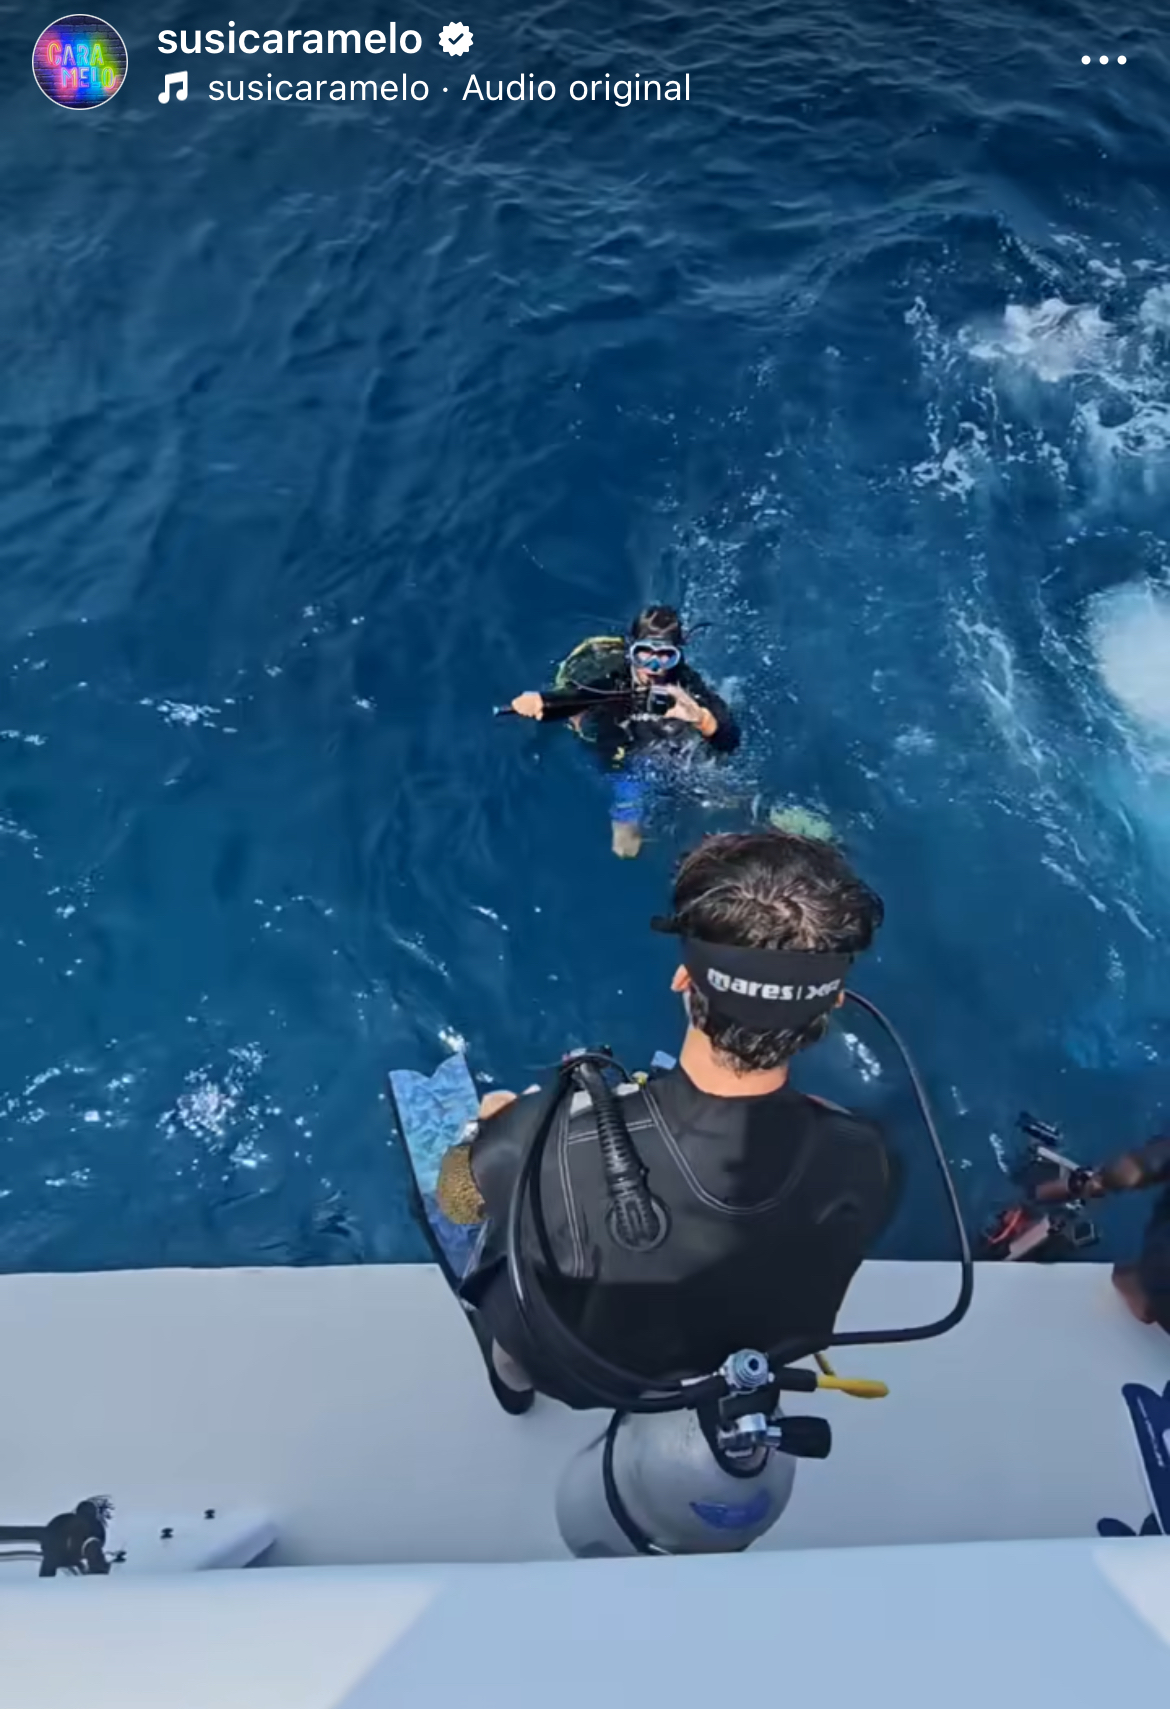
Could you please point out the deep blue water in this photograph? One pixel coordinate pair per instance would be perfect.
(324, 428)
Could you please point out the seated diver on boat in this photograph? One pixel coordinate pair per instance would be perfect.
(1144, 1285)
(770, 1198)
(649, 701)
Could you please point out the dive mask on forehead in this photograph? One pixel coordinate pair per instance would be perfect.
(768, 990)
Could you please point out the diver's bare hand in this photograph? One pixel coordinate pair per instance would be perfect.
(1122, 1174)
(688, 711)
(528, 706)
(493, 1102)
(1081, 1184)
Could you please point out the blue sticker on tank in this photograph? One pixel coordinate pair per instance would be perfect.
(734, 1516)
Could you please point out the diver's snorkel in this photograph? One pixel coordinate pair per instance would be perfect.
(754, 987)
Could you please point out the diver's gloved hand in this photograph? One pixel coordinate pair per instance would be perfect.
(688, 711)
(529, 705)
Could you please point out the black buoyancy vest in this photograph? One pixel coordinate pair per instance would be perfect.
(753, 1254)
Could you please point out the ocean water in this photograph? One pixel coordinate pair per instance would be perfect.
(328, 426)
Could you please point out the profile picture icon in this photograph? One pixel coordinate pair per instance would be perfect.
(79, 61)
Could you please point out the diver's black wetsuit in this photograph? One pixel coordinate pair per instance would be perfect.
(773, 1203)
(626, 730)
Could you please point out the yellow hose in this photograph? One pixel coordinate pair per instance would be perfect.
(861, 1388)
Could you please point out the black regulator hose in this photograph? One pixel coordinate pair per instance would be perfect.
(867, 1337)
(635, 1218)
(611, 1385)
(559, 1346)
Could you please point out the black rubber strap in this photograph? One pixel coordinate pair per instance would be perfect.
(630, 1529)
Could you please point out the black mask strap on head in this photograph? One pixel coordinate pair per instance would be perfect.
(766, 990)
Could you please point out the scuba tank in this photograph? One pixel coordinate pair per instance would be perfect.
(690, 1482)
(671, 1487)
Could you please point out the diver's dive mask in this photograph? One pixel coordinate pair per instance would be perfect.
(657, 657)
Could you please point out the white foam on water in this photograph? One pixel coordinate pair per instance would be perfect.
(1109, 271)
(490, 914)
(956, 470)
(182, 712)
(1087, 388)
(1129, 631)
(989, 661)
(915, 740)
(1052, 340)
(958, 459)
(1155, 310)
(864, 1060)
(224, 1111)
(1000, 1150)
(1142, 437)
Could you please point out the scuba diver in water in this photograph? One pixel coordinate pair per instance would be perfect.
(767, 1199)
(1145, 1285)
(638, 701)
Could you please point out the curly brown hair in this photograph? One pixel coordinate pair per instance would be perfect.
(770, 890)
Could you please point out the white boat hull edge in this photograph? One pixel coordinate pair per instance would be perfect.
(1077, 1623)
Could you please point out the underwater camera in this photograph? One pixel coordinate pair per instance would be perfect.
(1034, 1231)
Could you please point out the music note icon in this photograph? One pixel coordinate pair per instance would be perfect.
(176, 77)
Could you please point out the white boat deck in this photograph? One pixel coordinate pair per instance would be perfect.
(350, 1406)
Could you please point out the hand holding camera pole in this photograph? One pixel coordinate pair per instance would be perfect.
(1073, 1188)
(559, 704)
(529, 705)
(1147, 1166)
